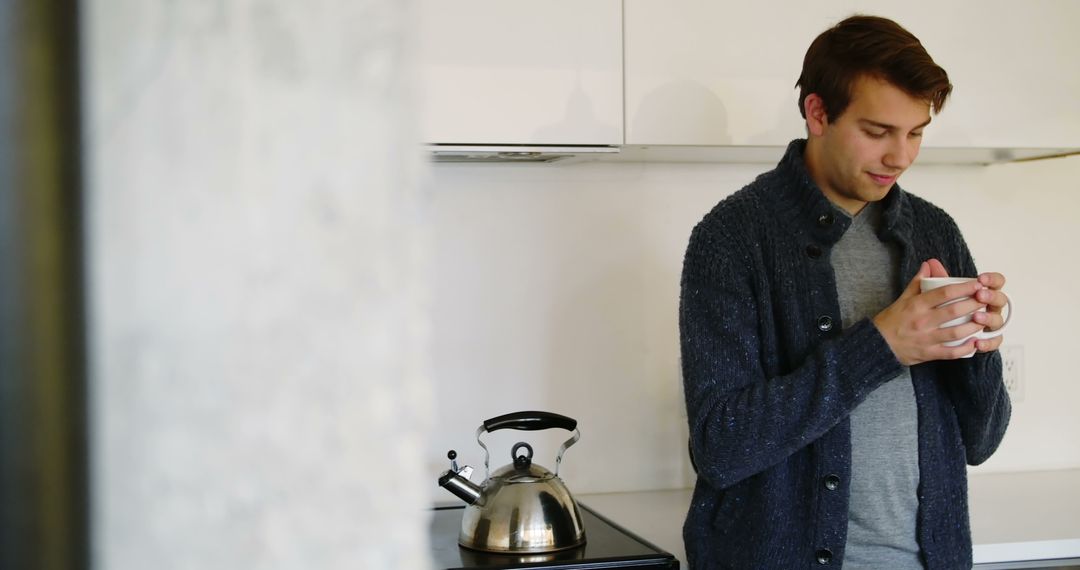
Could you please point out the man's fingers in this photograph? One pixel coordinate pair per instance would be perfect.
(992, 321)
(954, 310)
(995, 299)
(913, 287)
(942, 352)
(992, 280)
(936, 268)
(989, 344)
(953, 334)
(942, 295)
(963, 350)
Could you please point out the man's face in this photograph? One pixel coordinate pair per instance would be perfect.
(865, 150)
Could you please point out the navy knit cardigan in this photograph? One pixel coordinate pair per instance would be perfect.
(770, 378)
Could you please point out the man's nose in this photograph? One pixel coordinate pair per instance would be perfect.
(901, 152)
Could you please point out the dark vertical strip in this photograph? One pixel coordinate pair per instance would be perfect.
(44, 505)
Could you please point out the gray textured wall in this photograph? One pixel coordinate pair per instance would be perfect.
(259, 387)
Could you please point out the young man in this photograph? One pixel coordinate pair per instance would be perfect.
(828, 423)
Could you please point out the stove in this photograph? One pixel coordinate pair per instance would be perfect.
(607, 545)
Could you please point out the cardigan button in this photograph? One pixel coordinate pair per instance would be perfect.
(824, 556)
(824, 323)
(825, 220)
(813, 251)
(832, 482)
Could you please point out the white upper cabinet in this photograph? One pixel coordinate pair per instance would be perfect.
(1015, 70)
(513, 72)
(714, 73)
(720, 73)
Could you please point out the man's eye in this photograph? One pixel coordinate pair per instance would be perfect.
(875, 134)
(916, 135)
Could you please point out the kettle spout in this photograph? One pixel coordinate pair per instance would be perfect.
(461, 486)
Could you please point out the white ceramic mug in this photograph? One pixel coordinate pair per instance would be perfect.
(931, 283)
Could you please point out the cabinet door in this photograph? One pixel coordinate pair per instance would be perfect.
(513, 72)
(715, 73)
(718, 73)
(1015, 69)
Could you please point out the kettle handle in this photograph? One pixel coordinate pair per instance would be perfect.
(530, 421)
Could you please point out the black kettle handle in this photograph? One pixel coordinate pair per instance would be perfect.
(530, 421)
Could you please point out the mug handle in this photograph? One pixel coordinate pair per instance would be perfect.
(984, 335)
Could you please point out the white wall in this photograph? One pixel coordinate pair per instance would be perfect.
(258, 375)
(556, 287)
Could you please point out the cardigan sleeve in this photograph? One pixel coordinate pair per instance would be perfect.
(975, 385)
(743, 421)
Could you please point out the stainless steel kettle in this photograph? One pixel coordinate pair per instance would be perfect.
(522, 507)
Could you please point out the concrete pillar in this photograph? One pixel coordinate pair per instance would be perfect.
(260, 397)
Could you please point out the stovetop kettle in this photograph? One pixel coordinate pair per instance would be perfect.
(522, 507)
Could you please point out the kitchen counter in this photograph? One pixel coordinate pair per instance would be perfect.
(1018, 520)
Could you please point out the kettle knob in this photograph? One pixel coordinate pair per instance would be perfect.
(452, 455)
(522, 461)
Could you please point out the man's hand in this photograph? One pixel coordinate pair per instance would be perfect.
(995, 301)
(912, 324)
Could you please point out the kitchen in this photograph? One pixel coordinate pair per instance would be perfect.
(294, 318)
(559, 281)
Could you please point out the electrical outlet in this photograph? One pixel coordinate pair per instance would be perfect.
(1012, 370)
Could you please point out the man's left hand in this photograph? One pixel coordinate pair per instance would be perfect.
(995, 301)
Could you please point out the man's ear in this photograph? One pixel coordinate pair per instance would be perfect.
(816, 119)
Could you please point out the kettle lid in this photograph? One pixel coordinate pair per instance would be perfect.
(522, 470)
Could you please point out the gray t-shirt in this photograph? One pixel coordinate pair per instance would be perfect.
(884, 483)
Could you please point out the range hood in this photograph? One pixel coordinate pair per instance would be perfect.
(486, 154)
(731, 154)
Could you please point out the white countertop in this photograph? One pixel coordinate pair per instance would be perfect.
(1015, 517)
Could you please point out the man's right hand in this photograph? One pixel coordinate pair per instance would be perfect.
(912, 324)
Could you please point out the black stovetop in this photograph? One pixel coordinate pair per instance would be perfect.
(607, 545)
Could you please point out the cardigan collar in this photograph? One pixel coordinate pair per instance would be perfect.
(803, 204)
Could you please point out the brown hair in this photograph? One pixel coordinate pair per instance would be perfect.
(869, 46)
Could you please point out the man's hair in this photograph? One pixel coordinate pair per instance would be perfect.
(869, 46)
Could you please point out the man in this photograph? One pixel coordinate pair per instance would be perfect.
(828, 423)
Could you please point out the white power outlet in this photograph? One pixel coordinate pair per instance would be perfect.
(1012, 370)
